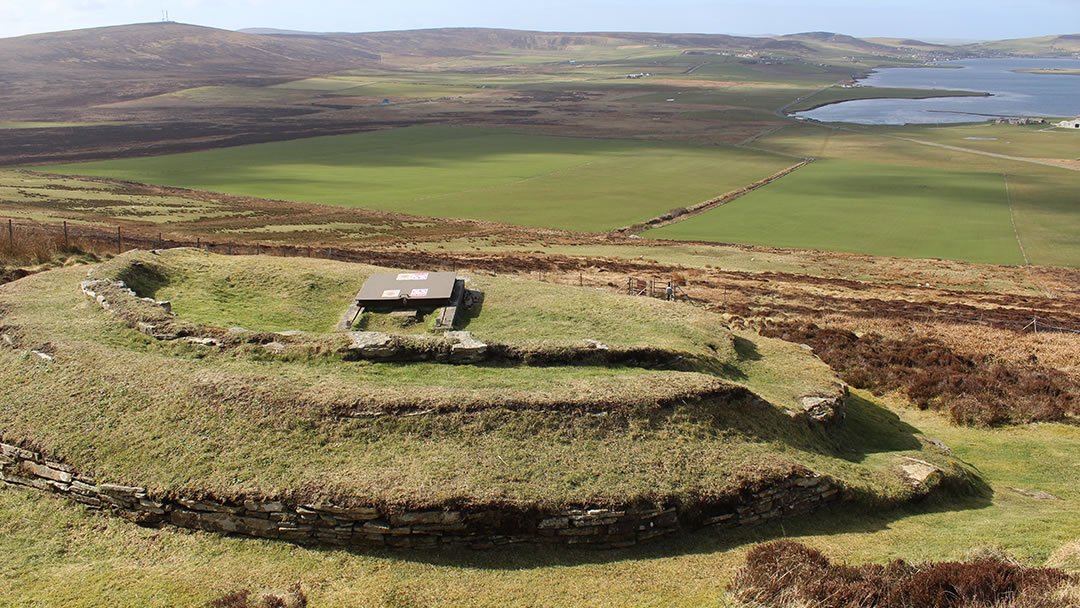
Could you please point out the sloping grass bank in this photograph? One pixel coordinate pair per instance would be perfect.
(54, 552)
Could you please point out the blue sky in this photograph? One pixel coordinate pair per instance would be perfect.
(953, 19)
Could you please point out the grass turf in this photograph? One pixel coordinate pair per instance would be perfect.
(562, 182)
(264, 293)
(868, 208)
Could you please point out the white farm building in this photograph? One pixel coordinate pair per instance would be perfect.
(1072, 123)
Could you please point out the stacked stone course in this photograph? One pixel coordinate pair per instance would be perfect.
(798, 493)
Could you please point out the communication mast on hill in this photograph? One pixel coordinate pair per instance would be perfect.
(164, 16)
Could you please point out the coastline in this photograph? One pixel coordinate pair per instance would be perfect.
(928, 96)
(1052, 71)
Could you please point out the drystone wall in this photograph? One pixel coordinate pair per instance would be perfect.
(799, 492)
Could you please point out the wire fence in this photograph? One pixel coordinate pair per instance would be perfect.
(23, 236)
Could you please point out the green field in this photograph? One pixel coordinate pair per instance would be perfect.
(1034, 141)
(487, 174)
(868, 208)
(230, 94)
(1046, 214)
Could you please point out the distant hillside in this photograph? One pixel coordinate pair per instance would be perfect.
(842, 42)
(278, 32)
(48, 74)
(909, 43)
(174, 48)
(1062, 45)
(79, 68)
(450, 42)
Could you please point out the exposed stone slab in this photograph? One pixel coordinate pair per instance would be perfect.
(46, 472)
(120, 491)
(465, 348)
(1036, 494)
(919, 472)
(373, 344)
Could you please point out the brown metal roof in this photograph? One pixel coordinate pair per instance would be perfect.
(413, 285)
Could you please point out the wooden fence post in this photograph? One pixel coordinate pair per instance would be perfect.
(10, 236)
(119, 242)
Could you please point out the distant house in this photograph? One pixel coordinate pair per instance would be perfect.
(1072, 123)
(1019, 120)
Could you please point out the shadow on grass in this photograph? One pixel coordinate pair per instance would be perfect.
(745, 350)
(466, 313)
(144, 279)
(870, 428)
(844, 518)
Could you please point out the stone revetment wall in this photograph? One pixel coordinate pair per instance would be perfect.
(799, 492)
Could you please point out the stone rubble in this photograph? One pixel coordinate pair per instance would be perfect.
(827, 410)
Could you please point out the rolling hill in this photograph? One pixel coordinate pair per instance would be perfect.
(82, 68)
(102, 65)
(1041, 46)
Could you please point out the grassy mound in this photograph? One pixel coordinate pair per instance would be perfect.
(266, 294)
(186, 419)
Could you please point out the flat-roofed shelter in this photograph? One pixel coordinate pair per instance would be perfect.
(407, 290)
(412, 293)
